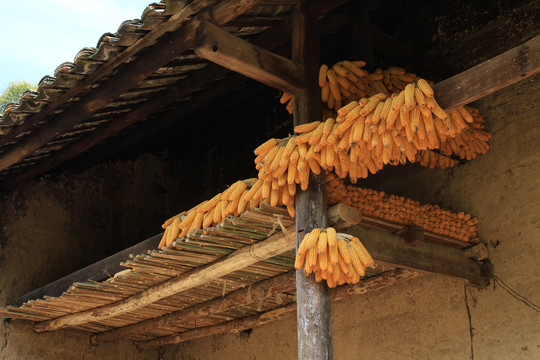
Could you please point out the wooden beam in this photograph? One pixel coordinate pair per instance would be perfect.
(363, 287)
(314, 325)
(169, 47)
(98, 271)
(392, 250)
(503, 70)
(259, 291)
(271, 39)
(223, 48)
(274, 245)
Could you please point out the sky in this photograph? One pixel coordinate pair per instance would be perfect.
(39, 35)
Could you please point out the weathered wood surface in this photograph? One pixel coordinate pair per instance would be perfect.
(314, 325)
(392, 250)
(98, 271)
(494, 74)
(223, 48)
(274, 245)
(166, 49)
(363, 287)
(259, 291)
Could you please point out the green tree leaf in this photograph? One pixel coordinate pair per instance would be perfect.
(14, 92)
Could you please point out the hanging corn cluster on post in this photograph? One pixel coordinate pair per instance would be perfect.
(335, 257)
(238, 198)
(399, 210)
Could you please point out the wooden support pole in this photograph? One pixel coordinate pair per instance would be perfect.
(261, 290)
(363, 287)
(231, 52)
(274, 245)
(313, 298)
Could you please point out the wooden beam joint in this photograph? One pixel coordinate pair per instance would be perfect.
(228, 50)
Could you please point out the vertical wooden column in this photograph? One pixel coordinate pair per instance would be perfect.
(313, 299)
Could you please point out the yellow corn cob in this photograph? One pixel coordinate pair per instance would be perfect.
(275, 162)
(317, 134)
(305, 128)
(340, 70)
(465, 114)
(266, 146)
(356, 135)
(186, 223)
(342, 264)
(419, 97)
(323, 261)
(314, 166)
(334, 90)
(425, 87)
(328, 125)
(368, 257)
(396, 70)
(347, 108)
(322, 75)
(345, 86)
(312, 258)
(238, 191)
(322, 243)
(197, 222)
(325, 92)
(217, 213)
(333, 135)
(253, 190)
(357, 264)
(409, 95)
(299, 261)
(435, 108)
(354, 68)
(343, 250)
(331, 75)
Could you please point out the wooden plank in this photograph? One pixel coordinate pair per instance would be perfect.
(231, 52)
(494, 74)
(314, 325)
(259, 291)
(98, 271)
(363, 287)
(274, 245)
(163, 51)
(392, 250)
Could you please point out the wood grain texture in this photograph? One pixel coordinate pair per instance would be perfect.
(233, 53)
(274, 245)
(363, 287)
(494, 74)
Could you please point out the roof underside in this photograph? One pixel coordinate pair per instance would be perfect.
(131, 87)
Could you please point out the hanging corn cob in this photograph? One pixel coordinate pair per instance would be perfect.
(335, 257)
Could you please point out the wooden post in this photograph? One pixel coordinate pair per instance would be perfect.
(313, 299)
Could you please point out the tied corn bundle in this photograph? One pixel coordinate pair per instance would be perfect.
(335, 257)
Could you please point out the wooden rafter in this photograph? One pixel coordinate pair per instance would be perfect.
(228, 50)
(363, 287)
(261, 290)
(270, 39)
(274, 245)
(175, 42)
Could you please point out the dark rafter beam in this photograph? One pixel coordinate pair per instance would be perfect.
(163, 51)
(261, 290)
(370, 285)
(223, 48)
(494, 74)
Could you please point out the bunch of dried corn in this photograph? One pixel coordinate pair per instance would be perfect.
(399, 210)
(346, 81)
(335, 257)
(241, 196)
